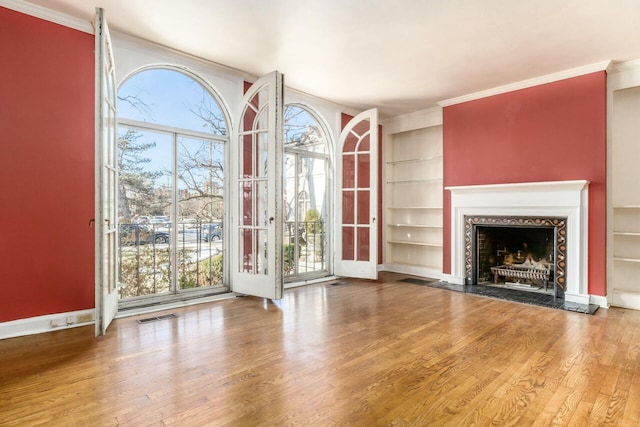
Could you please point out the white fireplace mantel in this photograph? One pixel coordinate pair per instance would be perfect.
(532, 199)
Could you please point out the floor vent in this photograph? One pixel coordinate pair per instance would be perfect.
(342, 282)
(416, 281)
(157, 318)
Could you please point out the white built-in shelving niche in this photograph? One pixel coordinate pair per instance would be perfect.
(413, 196)
(625, 198)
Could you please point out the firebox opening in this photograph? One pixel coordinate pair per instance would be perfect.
(516, 257)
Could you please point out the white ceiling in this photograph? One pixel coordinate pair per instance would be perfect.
(397, 55)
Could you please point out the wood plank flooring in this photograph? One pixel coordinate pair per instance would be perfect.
(364, 353)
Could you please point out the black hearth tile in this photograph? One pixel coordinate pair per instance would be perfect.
(533, 298)
(580, 308)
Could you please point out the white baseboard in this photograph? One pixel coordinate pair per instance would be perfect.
(413, 270)
(626, 299)
(577, 298)
(46, 323)
(600, 300)
(454, 280)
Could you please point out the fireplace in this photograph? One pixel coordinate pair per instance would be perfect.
(535, 204)
(522, 253)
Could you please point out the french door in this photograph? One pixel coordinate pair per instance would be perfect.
(106, 179)
(357, 198)
(257, 261)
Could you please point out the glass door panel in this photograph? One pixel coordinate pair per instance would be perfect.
(200, 225)
(145, 202)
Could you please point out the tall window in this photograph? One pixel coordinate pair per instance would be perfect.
(172, 139)
(307, 183)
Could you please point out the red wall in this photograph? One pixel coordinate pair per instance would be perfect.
(46, 168)
(551, 132)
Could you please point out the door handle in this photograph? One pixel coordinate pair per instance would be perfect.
(271, 219)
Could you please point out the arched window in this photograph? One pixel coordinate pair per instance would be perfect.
(173, 134)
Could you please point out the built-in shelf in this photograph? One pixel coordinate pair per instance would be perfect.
(415, 207)
(418, 160)
(623, 249)
(416, 181)
(414, 225)
(413, 198)
(634, 260)
(404, 242)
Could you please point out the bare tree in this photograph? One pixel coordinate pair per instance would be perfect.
(135, 185)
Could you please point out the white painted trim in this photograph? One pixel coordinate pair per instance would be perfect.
(171, 305)
(545, 199)
(626, 299)
(453, 279)
(430, 273)
(623, 75)
(413, 121)
(46, 323)
(48, 15)
(166, 56)
(599, 300)
(537, 81)
(310, 282)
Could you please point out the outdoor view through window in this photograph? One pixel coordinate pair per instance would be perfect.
(172, 139)
(171, 142)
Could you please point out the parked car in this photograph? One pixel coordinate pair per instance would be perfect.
(139, 234)
(160, 220)
(212, 232)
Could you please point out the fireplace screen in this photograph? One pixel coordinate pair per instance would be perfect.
(518, 253)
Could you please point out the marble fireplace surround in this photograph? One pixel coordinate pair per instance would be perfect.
(568, 199)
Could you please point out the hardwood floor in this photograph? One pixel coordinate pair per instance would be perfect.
(362, 353)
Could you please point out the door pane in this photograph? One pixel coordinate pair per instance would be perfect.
(200, 212)
(348, 240)
(363, 243)
(145, 188)
(254, 201)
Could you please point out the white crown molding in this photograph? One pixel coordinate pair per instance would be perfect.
(537, 81)
(48, 15)
(623, 75)
(46, 323)
(621, 66)
(412, 121)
